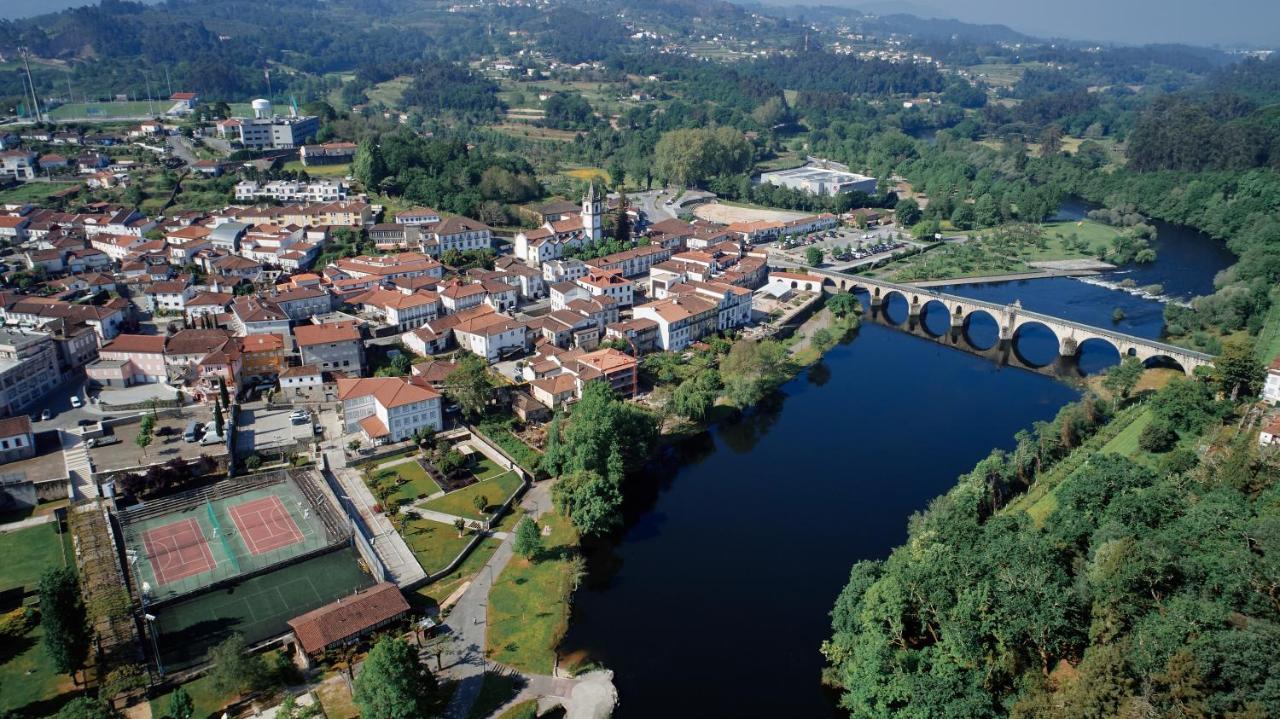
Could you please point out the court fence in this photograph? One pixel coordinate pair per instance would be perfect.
(321, 527)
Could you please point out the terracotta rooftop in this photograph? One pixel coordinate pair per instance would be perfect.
(153, 344)
(348, 617)
(331, 332)
(388, 391)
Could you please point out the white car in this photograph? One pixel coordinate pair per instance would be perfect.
(76, 401)
(300, 415)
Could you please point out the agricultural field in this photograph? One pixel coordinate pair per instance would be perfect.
(587, 174)
(391, 92)
(319, 170)
(33, 191)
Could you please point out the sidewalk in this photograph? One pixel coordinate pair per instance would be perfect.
(387, 543)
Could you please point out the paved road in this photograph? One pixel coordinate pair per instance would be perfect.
(182, 148)
(468, 620)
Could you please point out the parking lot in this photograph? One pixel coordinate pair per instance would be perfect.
(261, 430)
(864, 247)
(166, 443)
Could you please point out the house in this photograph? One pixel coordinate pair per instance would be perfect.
(462, 234)
(733, 303)
(18, 164)
(184, 102)
(563, 270)
(620, 370)
(128, 360)
(640, 334)
(251, 315)
(562, 293)
(456, 295)
(1271, 389)
(556, 390)
(300, 381)
(303, 302)
(491, 336)
(682, 320)
(17, 441)
(208, 303)
(1270, 434)
(434, 372)
(332, 346)
(610, 283)
(402, 310)
(634, 262)
(262, 355)
(418, 216)
(13, 228)
(169, 296)
(389, 409)
(348, 619)
(395, 236)
(797, 281)
(390, 267)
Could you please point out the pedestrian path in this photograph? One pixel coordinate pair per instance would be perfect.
(390, 547)
(79, 467)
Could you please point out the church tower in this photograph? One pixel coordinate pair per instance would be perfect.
(593, 215)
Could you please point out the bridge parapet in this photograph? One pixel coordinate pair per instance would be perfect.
(1009, 318)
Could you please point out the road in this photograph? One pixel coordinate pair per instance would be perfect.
(181, 148)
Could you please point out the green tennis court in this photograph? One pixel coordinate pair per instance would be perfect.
(257, 608)
(201, 539)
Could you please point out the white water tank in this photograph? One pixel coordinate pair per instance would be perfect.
(261, 108)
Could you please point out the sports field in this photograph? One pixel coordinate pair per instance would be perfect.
(200, 539)
(257, 608)
(108, 110)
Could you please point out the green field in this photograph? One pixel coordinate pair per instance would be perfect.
(107, 110)
(433, 543)
(391, 92)
(26, 672)
(412, 480)
(28, 552)
(438, 591)
(496, 485)
(529, 603)
(33, 191)
(207, 701)
(341, 170)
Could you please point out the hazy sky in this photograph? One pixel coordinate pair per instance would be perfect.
(1196, 22)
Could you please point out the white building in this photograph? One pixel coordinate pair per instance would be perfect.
(388, 409)
(269, 132)
(18, 164)
(1271, 390)
(491, 336)
(550, 241)
(292, 191)
(820, 178)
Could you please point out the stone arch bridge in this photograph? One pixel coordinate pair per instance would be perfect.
(1011, 318)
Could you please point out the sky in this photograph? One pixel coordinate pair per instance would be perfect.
(1195, 22)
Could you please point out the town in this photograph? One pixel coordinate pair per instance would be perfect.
(535, 358)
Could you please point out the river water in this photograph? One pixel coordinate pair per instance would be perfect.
(716, 600)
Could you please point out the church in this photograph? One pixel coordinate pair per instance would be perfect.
(550, 241)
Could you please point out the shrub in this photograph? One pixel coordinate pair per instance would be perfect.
(1158, 437)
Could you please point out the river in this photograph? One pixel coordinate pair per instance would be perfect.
(716, 600)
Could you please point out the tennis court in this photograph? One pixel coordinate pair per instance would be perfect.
(189, 542)
(257, 608)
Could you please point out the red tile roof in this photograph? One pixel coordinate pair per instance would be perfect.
(349, 617)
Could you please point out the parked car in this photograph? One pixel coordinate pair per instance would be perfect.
(76, 401)
(299, 416)
(46, 415)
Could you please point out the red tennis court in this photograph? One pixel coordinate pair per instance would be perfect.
(177, 550)
(265, 525)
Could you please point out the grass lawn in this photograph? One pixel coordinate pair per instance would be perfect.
(527, 709)
(436, 592)
(206, 700)
(417, 483)
(341, 170)
(1095, 233)
(28, 677)
(496, 486)
(500, 433)
(518, 129)
(1126, 443)
(28, 552)
(495, 691)
(587, 173)
(391, 92)
(529, 603)
(33, 191)
(1269, 338)
(433, 543)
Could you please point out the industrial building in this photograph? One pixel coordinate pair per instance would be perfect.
(268, 131)
(820, 179)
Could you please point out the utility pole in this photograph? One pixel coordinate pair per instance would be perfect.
(151, 107)
(166, 80)
(35, 99)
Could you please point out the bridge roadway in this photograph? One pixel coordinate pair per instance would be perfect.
(1011, 318)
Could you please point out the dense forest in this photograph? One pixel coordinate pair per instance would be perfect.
(1149, 590)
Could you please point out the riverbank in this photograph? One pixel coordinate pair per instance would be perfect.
(1008, 277)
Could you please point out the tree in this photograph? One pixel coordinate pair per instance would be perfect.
(233, 670)
(86, 708)
(590, 500)
(218, 423)
(1122, 378)
(694, 397)
(145, 428)
(528, 543)
(622, 222)
(481, 503)
(470, 385)
(986, 213)
(906, 212)
(368, 166)
(964, 217)
(601, 421)
(460, 524)
(63, 619)
(222, 392)
(842, 304)
(552, 453)
(1238, 371)
(393, 684)
(813, 256)
(752, 369)
(180, 704)
(1157, 438)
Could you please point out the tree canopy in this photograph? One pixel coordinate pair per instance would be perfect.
(394, 684)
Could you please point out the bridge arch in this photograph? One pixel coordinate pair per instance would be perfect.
(986, 334)
(887, 297)
(935, 316)
(1035, 343)
(1165, 361)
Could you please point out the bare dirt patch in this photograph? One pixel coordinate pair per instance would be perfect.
(729, 214)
